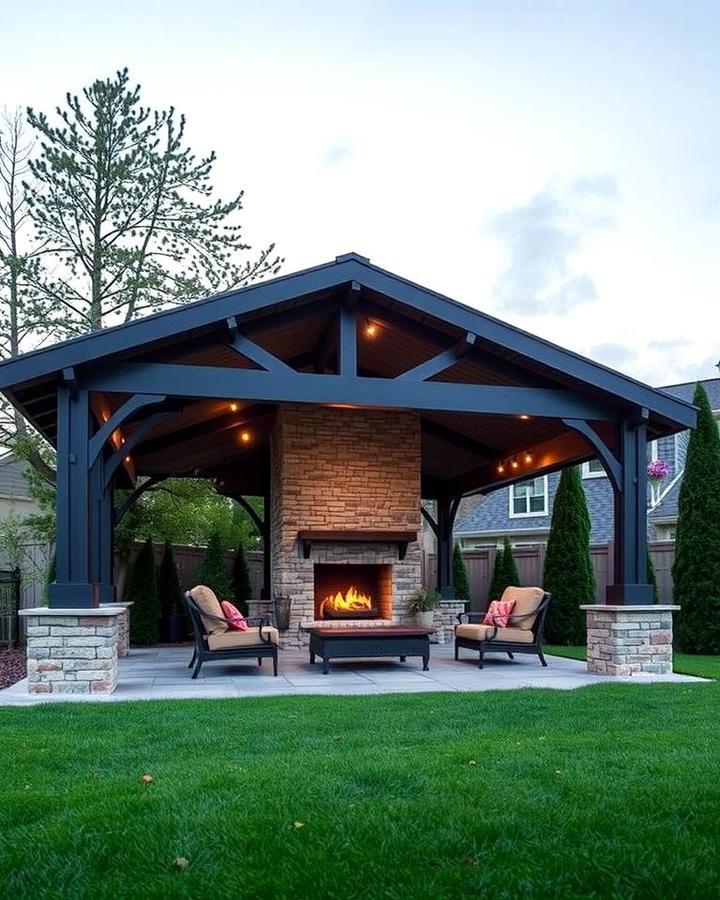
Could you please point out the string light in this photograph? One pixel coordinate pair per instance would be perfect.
(370, 328)
(514, 463)
(500, 468)
(233, 407)
(528, 456)
(245, 437)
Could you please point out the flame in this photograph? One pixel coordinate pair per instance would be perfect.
(351, 601)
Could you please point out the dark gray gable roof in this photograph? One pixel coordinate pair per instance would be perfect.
(686, 391)
(346, 268)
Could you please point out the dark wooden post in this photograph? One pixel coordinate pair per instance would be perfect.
(446, 510)
(102, 533)
(630, 557)
(74, 586)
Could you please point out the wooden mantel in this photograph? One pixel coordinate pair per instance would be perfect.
(402, 538)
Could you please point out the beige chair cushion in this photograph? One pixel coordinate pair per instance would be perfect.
(209, 603)
(527, 600)
(231, 640)
(480, 633)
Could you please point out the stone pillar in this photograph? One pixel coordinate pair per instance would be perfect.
(445, 620)
(629, 640)
(123, 626)
(72, 651)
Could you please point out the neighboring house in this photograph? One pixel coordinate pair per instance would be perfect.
(14, 494)
(523, 511)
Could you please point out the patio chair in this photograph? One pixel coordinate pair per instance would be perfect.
(214, 639)
(523, 633)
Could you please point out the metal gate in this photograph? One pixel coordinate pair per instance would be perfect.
(9, 605)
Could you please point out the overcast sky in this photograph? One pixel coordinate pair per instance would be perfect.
(556, 164)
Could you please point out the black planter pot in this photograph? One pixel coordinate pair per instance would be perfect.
(173, 629)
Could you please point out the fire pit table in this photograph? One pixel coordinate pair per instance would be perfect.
(391, 640)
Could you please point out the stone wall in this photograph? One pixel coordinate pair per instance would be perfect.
(629, 640)
(349, 469)
(72, 651)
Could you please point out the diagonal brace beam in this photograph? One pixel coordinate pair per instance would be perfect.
(254, 352)
(612, 466)
(132, 441)
(121, 415)
(440, 362)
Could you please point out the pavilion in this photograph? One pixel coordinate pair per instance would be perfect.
(343, 395)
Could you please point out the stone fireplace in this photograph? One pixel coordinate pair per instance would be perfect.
(345, 514)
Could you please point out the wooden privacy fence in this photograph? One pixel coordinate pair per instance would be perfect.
(531, 560)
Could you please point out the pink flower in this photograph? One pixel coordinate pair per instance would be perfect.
(658, 468)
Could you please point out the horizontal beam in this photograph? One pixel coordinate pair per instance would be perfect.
(219, 382)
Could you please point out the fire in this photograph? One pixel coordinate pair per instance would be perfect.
(351, 601)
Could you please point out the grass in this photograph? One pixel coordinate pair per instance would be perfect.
(607, 791)
(683, 663)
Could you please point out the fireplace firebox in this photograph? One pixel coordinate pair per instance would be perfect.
(352, 591)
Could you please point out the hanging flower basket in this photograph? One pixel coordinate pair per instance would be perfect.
(657, 469)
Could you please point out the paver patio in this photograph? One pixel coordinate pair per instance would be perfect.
(161, 673)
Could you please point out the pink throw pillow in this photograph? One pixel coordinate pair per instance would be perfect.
(236, 620)
(498, 613)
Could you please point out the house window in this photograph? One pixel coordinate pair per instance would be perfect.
(529, 498)
(593, 469)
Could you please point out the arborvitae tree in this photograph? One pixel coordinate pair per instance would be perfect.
(696, 570)
(242, 589)
(51, 576)
(169, 591)
(213, 570)
(652, 579)
(505, 572)
(142, 591)
(460, 576)
(568, 573)
(510, 568)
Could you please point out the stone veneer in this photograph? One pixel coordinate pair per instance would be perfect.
(72, 651)
(337, 468)
(628, 640)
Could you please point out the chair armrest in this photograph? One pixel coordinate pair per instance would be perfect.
(467, 617)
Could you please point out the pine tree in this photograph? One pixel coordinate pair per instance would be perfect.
(460, 576)
(213, 570)
(511, 574)
(696, 570)
(142, 591)
(505, 572)
(568, 574)
(168, 584)
(241, 586)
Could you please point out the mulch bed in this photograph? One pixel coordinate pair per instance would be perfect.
(13, 665)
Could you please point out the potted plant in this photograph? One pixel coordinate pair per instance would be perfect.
(421, 606)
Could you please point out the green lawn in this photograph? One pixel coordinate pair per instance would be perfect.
(683, 663)
(611, 790)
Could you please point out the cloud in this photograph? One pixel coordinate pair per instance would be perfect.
(612, 355)
(542, 237)
(669, 345)
(341, 151)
